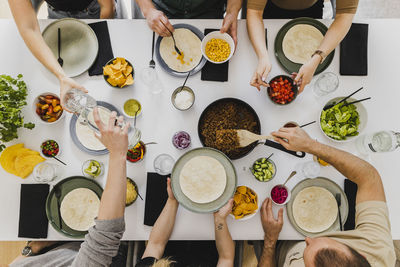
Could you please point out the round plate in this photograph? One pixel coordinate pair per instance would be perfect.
(72, 130)
(165, 66)
(67, 185)
(241, 152)
(231, 180)
(79, 45)
(331, 187)
(288, 65)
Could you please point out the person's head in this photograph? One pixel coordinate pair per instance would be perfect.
(324, 251)
(164, 262)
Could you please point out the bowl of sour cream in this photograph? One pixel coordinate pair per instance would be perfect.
(183, 98)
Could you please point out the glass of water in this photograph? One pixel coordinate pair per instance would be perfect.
(309, 169)
(163, 164)
(325, 84)
(150, 78)
(45, 172)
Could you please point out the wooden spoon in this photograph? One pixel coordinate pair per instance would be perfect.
(246, 137)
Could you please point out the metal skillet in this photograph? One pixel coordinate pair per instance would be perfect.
(242, 109)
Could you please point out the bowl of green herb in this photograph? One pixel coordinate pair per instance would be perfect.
(13, 93)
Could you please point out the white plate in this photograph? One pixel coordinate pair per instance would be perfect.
(79, 45)
(217, 35)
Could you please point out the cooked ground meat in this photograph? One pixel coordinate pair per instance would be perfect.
(226, 140)
(224, 116)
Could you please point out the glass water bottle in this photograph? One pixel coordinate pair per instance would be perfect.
(383, 141)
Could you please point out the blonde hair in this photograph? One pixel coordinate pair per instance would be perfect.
(164, 262)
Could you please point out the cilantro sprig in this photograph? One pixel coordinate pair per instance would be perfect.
(13, 94)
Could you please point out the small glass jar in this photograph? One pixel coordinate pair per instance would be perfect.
(45, 172)
(96, 164)
(163, 164)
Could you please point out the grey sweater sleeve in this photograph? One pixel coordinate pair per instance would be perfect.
(101, 243)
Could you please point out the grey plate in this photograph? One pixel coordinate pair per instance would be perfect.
(331, 187)
(67, 185)
(165, 66)
(231, 180)
(79, 45)
(72, 130)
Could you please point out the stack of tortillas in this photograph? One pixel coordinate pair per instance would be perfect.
(188, 43)
(300, 42)
(314, 209)
(203, 179)
(79, 208)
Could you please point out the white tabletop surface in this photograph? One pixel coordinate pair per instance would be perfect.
(160, 120)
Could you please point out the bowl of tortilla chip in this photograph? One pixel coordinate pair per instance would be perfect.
(245, 203)
(119, 72)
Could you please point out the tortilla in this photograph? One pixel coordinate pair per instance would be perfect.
(188, 43)
(314, 209)
(79, 208)
(86, 135)
(203, 179)
(300, 42)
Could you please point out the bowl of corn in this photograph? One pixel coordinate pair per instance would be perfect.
(217, 47)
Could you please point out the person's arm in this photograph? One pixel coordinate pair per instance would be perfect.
(28, 27)
(272, 228)
(335, 34)
(362, 173)
(229, 24)
(102, 242)
(256, 31)
(223, 239)
(163, 227)
(155, 18)
(107, 9)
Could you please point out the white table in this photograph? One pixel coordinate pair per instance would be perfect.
(160, 120)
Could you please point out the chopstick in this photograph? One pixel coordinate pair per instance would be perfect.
(357, 101)
(304, 125)
(344, 99)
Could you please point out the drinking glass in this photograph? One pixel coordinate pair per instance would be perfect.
(325, 84)
(150, 78)
(309, 169)
(45, 172)
(163, 164)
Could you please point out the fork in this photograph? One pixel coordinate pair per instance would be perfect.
(152, 63)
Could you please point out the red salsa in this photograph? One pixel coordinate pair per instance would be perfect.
(50, 148)
(137, 153)
(281, 90)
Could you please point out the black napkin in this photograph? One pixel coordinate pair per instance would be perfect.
(354, 51)
(350, 189)
(214, 72)
(156, 197)
(105, 49)
(33, 221)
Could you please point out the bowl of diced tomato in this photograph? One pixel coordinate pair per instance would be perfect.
(282, 90)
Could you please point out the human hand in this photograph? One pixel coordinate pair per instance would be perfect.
(229, 25)
(260, 75)
(306, 73)
(271, 226)
(224, 211)
(293, 138)
(169, 190)
(158, 22)
(112, 136)
(66, 84)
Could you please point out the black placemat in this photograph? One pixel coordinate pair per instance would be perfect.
(33, 221)
(214, 72)
(350, 189)
(156, 197)
(105, 48)
(354, 51)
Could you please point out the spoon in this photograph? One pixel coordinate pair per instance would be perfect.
(290, 176)
(60, 60)
(172, 35)
(339, 203)
(59, 160)
(246, 137)
(184, 83)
